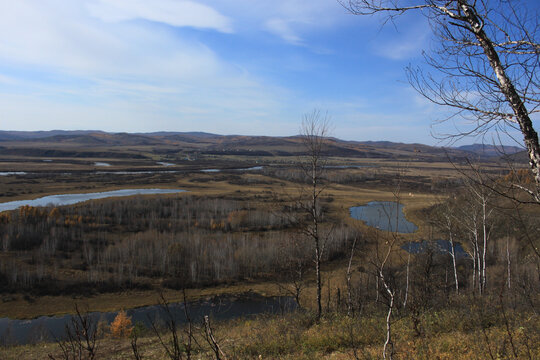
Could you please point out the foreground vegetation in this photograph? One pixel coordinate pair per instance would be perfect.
(466, 328)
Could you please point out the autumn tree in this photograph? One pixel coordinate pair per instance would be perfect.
(121, 327)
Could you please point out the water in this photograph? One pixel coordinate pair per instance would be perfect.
(99, 163)
(383, 215)
(165, 163)
(440, 246)
(48, 328)
(70, 199)
(254, 168)
(347, 166)
(9, 173)
(131, 172)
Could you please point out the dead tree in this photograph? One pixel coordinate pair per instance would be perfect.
(486, 63)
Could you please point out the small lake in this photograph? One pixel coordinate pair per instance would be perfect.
(47, 328)
(70, 199)
(439, 246)
(99, 163)
(383, 215)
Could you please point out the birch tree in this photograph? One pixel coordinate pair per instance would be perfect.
(314, 133)
(485, 63)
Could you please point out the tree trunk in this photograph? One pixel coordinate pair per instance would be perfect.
(508, 261)
(484, 252)
(530, 137)
(315, 230)
(453, 254)
(388, 349)
(349, 275)
(407, 281)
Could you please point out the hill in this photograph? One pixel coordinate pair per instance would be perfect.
(87, 143)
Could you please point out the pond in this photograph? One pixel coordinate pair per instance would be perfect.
(383, 215)
(48, 328)
(439, 246)
(70, 199)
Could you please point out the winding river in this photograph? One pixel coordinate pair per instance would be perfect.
(70, 199)
(48, 328)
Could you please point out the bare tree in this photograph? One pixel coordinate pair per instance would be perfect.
(80, 337)
(486, 60)
(314, 133)
(388, 348)
(211, 340)
(348, 277)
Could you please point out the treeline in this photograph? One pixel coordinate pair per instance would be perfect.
(368, 176)
(184, 241)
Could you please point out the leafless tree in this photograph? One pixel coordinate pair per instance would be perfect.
(388, 348)
(349, 276)
(211, 340)
(314, 134)
(80, 337)
(486, 62)
(173, 348)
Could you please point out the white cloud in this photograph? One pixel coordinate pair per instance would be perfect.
(174, 13)
(283, 29)
(65, 38)
(291, 20)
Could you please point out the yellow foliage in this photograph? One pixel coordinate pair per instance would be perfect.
(121, 326)
(55, 213)
(523, 176)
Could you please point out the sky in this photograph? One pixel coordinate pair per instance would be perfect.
(221, 66)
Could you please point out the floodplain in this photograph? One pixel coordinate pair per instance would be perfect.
(236, 229)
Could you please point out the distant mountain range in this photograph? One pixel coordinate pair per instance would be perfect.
(20, 142)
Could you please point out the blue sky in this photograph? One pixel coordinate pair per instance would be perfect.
(222, 66)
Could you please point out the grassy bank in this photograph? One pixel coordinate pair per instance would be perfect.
(452, 333)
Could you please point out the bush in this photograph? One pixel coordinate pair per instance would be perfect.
(122, 326)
